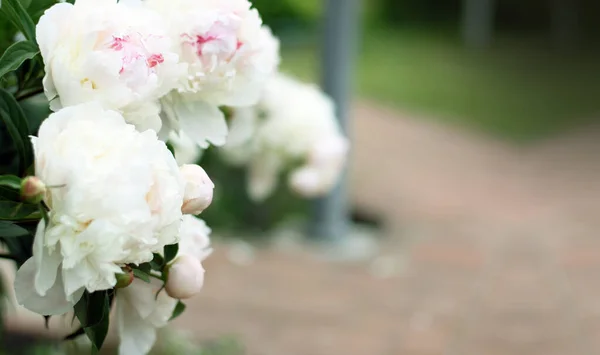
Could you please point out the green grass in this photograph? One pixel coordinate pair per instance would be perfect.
(516, 90)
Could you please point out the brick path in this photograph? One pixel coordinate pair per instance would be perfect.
(489, 249)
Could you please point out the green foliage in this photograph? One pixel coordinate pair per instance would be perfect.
(11, 230)
(518, 90)
(15, 55)
(18, 16)
(16, 123)
(170, 252)
(283, 14)
(92, 311)
(179, 308)
(142, 275)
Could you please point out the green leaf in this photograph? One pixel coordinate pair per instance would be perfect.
(178, 310)
(10, 230)
(16, 13)
(15, 55)
(93, 310)
(17, 211)
(16, 123)
(141, 275)
(171, 148)
(11, 181)
(171, 252)
(44, 214)
(9, 194)
(75, 334)
(145, 267)
(157, 262)
(25, 3)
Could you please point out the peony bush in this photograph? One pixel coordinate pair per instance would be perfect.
(99, 205)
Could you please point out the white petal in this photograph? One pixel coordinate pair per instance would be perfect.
(202, 122)
(185, 149)
(139, 314)
(144, 116)
(141, 297)
(137, 335)
(47, 33)
(242, 127)
(262, 177)
(46, 262)
(53, 303)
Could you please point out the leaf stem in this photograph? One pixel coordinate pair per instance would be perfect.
(9, 256)
(28, 94)
(155, 276)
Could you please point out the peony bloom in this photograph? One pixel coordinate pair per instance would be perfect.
(198, 189)
(118, 54)
(140, 313)
(230, 56)
(117, 200)
(186, 277)
(322, 168)
(293, 127)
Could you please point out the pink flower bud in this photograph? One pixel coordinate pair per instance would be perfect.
(198, 189)
(125, 279)
(185, 277)
(32, 189)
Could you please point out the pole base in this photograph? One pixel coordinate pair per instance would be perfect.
(359, 243)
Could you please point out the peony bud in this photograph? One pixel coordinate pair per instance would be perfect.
(308, 182)
(198, 189)
(185, 277)
(32, 189)
(125, 279)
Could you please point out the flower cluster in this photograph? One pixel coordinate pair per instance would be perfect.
(293, 127)
(117, 207)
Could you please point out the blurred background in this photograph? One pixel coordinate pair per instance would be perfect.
(473, 193)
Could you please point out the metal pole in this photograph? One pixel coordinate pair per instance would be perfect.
(330, 214)
(478, 22)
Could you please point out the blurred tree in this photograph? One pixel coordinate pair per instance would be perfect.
(285, 14)
(565, 22)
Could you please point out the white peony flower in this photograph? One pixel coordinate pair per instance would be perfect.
(116, 53)
(230, 55)
(293, 126)
(117, 200)
(322, 169)
(140, 312)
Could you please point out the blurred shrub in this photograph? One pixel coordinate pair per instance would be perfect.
(410, 12)
(282, 15)
(511, 15)
(233, 211)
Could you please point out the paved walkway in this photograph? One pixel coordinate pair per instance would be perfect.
(489, 250)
